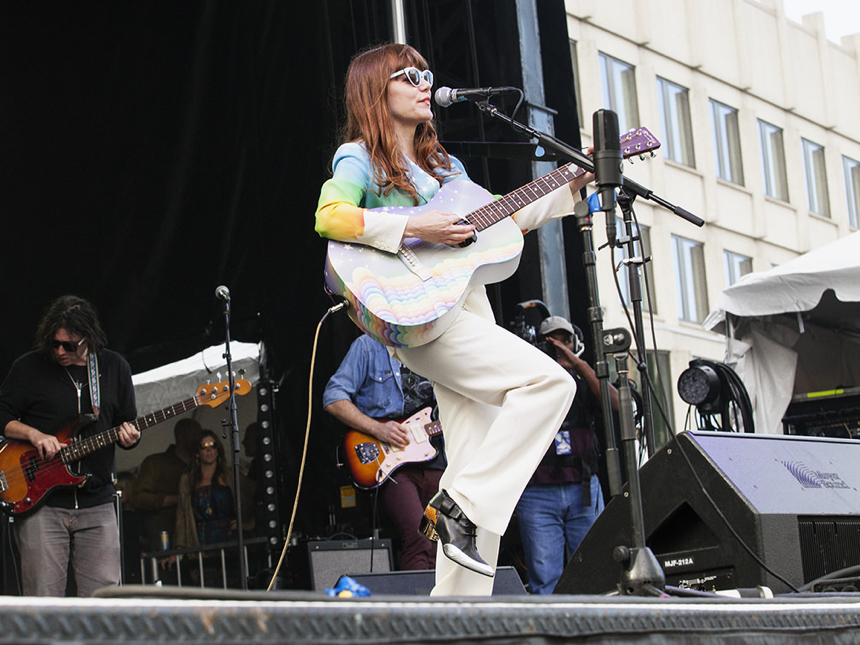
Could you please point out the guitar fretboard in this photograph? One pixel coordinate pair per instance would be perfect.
(83, 447)
(505, 206)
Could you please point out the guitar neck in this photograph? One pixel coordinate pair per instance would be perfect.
(509, 204)
(636, 142)
(83, 447)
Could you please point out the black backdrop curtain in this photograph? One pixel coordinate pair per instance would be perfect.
(150, 151)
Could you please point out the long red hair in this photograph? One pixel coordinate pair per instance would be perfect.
(368, 119)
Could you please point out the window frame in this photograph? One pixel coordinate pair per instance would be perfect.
(772, 146)
(726, 138)
(623, 75)
(815, 172)
(676, 121)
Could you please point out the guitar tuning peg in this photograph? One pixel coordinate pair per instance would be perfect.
(653, 154)
(242, 372)
(218, 376)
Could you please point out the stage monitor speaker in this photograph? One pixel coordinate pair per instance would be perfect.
(330, 559)
(419, 583)
(727, 511)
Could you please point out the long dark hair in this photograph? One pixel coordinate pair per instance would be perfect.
(368, 118)
(78, 317)
(222, 474)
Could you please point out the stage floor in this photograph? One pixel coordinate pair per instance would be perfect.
(148, 615)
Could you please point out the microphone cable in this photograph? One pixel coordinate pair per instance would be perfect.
(330, 310)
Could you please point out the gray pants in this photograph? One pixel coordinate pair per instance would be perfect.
(50, 538)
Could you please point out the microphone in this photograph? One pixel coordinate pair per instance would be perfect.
(222, 293)
(445, 96)
(607, 164)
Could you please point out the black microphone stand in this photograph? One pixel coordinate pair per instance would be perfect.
(625, 201)
(235, 443)
(641, 572)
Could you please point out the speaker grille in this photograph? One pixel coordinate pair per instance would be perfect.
(828, 544)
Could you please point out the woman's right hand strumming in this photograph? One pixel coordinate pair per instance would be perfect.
(438, 227)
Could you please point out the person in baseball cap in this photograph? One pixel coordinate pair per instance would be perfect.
(563, 497)
(556, 324)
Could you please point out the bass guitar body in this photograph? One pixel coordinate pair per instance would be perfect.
(25, 478)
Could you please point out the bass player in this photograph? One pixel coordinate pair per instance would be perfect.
(68, 375)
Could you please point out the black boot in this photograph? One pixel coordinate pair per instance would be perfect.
(444, 520)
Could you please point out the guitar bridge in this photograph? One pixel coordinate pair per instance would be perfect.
(4, 486)
(367, 452)
(408, 257)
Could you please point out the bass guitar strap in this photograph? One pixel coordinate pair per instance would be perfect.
(93, 373)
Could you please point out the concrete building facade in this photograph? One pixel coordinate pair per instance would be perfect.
(758, 116)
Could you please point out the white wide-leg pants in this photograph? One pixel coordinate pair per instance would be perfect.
(501, 402)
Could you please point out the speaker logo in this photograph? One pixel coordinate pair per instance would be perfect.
(810, 478)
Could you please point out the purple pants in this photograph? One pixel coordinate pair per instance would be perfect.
(403, 499)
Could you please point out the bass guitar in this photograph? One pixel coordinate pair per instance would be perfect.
(26, 478)
(408, 298)
(371, 461)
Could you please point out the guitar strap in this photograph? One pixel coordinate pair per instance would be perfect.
(93, 373)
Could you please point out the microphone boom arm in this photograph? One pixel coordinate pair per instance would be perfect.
(585, 162)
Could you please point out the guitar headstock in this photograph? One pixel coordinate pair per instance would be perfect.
(637, 142)
(214, 394)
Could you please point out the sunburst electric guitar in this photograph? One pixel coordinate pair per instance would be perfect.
(26, 478)
(408, 298)
(371, 461)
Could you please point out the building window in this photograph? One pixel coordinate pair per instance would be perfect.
(688, 260)
(773, 161)
(727, 143)
(618, 80)
(816, 178)
(736, 265)
(574, 63)
(642, 250)
(852, 184)
(674, 102)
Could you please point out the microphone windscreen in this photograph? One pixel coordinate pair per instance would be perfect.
(443, 96)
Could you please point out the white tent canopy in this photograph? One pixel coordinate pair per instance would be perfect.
(163, 386)
(167, 385)
(794, 329)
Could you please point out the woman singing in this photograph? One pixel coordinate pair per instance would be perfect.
(500, 399)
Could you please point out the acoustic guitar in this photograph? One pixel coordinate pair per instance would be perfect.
(408, 298)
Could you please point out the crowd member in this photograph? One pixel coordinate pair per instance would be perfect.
(70, 374)
(500, 399)
(563, 497)
(157, 490)
(370, 392)
(205, 512)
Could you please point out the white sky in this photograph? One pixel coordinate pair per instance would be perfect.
(841, 17)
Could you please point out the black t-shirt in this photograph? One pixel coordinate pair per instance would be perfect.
(41, 393)
(577, 440)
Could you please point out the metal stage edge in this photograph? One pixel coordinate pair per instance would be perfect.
(145, 614)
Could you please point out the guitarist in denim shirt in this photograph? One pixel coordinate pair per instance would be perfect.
(369, 391)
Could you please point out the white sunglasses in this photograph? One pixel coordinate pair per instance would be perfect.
(414, 75)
